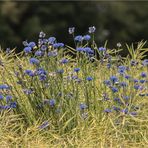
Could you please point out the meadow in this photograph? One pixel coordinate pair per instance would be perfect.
(54, 95)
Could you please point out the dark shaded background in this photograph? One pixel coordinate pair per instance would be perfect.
(123, 22)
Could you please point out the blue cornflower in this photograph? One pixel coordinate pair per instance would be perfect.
(38, 53)
(1, 97)
(41, 71)
(145, 62)
(89, 78)
(64, 61)
(52, 53)
(80, 49)
(60, 71)
(127, 77)
(107, 82)
(43, 47)
(107, 110)
(13, 105)
(102, 49)
(121, 69)
(117, 109)
(29, 72)
(32, 44)
(137, 86)
(142, 81)
(8, 98)
(4, 86)
(123, 84)
(88, 50)
(83, 106)
(135, 80)
(76, 69)
(143, 74)
(42, 77)
(92, 29)
(78, 38)
(52, 102)
(71, 30)
(58, 45)
(125, 111)
(133, 113)
(27, 49)
(86, 37)
(51, 40)
(114, 79)
(44, 125)
(117, 100)
(34, 61)
(114, 89)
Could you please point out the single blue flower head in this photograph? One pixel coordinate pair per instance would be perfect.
(107, 110)
(8, 98)
(102, 49)
(107, 82)
(86, 37)
(92, 29)
(43, 47)
(133, 113)
(126, 98)
(58, 45)
(123, 84)
(32, 44)
(80, 49)
(42, 77)
(145, 62)
(34, 61)
(76, 69)
(41, 71)
(1, 97)
(27, 49)
(117, 109)
(38, 53)
(71, 30)
(51, 40)
(114, 89)
(89, 78)
(13, 105)
(114, 79)
(143, 74)
(88, 50)
(78, 38)
(4, 86)
(121, 69)
(83, 106)
(29, 72)
(52, 102)
(135, 80)
(136, 86)
(127, 77)
(64, 61)
(125, 111)
(117, 100)
(142, 81)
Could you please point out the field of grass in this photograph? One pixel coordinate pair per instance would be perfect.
(52, 95)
